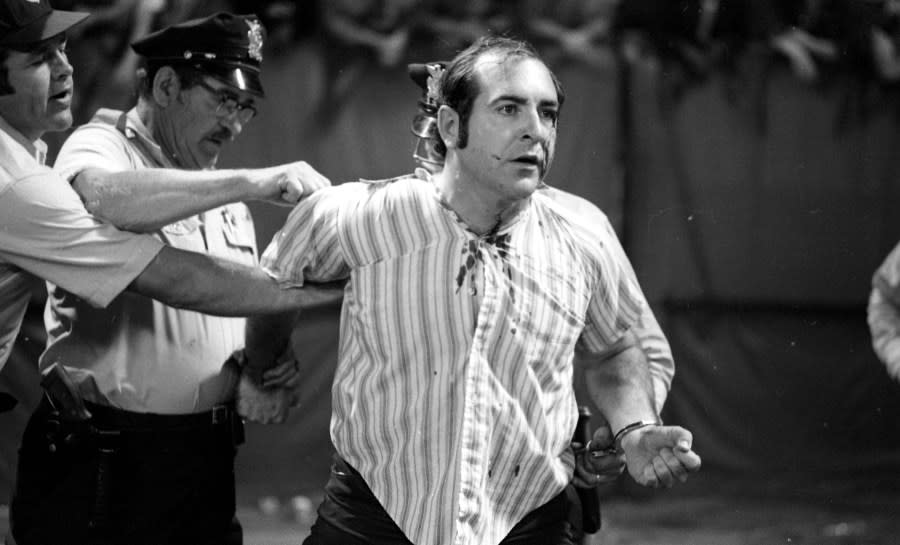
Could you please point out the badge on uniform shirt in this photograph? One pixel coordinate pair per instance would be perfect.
(255, 36)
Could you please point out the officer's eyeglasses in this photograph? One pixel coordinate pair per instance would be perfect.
(228, 105)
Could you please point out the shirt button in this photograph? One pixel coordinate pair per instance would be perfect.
(472, 291)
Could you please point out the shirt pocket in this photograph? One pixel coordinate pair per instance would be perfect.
(240, 243)
(184, 235)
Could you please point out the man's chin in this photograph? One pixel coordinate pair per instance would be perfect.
(529, 185)
(209, 155)
(60, 122)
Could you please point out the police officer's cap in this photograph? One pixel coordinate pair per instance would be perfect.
(24, 23)
(225, 46)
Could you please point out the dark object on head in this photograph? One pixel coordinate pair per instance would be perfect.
(225, 46)
(25, 23)
(430, 150)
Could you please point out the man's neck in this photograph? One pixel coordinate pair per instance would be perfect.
(151, 120)
(483, 214)
(31, 142)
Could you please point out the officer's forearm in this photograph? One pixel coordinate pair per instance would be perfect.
(267, 337)
(145, 200)
(216, 286)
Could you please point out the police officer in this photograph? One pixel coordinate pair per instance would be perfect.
(155, 463)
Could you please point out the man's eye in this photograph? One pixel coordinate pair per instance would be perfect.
(551, 115)
(509, 108)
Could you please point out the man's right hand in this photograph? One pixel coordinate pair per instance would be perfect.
(286, 184)
(599, 463)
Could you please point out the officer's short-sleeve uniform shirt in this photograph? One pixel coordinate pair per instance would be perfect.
(139, 354)
(45, 232)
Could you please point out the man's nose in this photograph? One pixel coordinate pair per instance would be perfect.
(233, 123)
(60, 65)
(534, 127)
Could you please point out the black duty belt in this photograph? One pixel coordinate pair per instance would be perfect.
(129, 421)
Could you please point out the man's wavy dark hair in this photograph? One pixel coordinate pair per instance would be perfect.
(459, 84)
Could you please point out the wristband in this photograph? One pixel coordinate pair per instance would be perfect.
(617, 440)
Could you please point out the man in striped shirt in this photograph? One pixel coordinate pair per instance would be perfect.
(468, 295)
(429, 155)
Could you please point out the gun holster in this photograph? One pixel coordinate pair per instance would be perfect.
(590, 497)
(70, 424)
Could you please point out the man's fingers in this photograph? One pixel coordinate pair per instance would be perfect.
(602, 438)
(688, 458)
(674, 464)
(286, 374)
(291, 189)
(662, 472)
(592, 470)
(279, 372)
(312, 179)
(261, 404)
(648, 477)
(602, 463)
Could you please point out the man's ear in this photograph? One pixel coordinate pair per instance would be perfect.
(448, 126)
(166, 86)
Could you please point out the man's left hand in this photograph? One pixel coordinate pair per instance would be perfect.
(660, 455)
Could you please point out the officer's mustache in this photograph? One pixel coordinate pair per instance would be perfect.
(223, 134)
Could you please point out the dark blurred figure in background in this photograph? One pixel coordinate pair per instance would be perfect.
(701, 32)
(571, 30)
(101, 51)
(159, 381)
(451, 26)
(355, 34)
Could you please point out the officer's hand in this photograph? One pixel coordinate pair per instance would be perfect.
(286, 184)
(264, 405)
(285, 374)
(598, 463)
(660, 455)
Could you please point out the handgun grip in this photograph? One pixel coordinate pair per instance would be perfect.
(63, 394)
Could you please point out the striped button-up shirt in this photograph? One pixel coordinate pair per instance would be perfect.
(453, 393)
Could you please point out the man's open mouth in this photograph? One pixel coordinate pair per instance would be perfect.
(532, 160)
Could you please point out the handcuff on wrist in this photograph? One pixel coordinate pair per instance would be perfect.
(616, 445)
(634, 426)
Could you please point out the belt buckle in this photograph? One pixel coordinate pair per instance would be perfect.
(219, 415)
